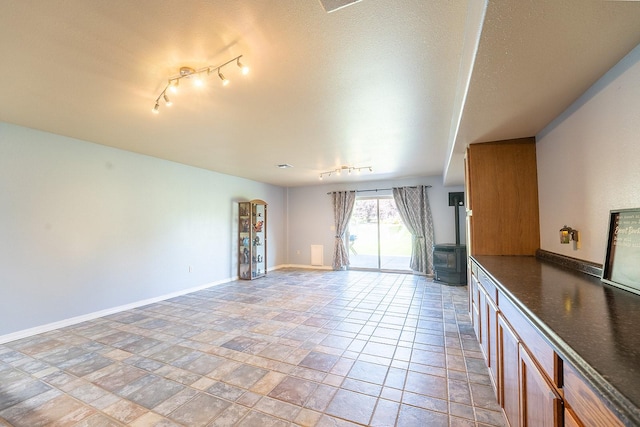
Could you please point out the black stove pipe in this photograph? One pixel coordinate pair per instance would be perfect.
(457, 200)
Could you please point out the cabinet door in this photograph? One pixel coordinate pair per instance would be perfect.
(484, 322)
(503, 198)
(259, 236)
(508, 378)
(540, 404)
(475, 307)
(570, 419)
(469, 207)
(252, 234)
(492, 338)
(585, 404)
(244, 240)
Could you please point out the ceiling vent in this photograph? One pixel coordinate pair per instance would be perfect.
(333, 5)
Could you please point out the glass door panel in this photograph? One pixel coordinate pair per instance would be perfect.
(363, 234)
(395, 239)
(377, 238)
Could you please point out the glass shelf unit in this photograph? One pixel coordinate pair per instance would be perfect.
(252, 239)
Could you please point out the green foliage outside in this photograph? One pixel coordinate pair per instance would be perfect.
(395, 239)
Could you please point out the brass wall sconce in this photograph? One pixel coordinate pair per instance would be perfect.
(568, 234)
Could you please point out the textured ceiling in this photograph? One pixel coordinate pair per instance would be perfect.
(399, 85)
(534, 59)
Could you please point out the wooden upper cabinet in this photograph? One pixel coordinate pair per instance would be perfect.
(502, 190)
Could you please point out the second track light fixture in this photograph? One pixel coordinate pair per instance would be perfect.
(347, 169)
(196, 75)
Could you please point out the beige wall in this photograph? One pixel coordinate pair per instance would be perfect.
(86, 228)
(589, 162)
(311, 214)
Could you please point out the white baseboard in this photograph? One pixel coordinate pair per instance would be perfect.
(90, 316)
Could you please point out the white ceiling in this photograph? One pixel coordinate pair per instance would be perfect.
(399, 85)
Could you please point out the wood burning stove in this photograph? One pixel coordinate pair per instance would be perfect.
(450, 259)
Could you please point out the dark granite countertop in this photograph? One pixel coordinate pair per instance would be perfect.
(593, 326)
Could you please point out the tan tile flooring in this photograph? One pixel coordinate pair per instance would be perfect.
(296, 348)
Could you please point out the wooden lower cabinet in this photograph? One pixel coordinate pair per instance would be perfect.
(475, 307)
(484, 312)
(508, 378)
(489, 325)
(484, 322)
(586, 407)
(540, 403)
(534, 386)
(570, 419)
(492, 314)
(527, 396)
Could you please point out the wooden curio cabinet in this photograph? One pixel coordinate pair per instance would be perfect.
(252, 236)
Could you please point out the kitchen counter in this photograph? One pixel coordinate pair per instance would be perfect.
(591, 325)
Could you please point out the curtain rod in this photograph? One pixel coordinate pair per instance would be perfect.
(378, 189)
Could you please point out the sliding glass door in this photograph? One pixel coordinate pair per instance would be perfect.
(377, 238)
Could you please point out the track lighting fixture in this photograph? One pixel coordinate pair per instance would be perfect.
(196, 75)
(349, 170)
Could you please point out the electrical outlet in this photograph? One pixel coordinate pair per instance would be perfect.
(190, 269)
(298, 252)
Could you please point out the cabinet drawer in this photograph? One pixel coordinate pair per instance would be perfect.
(537, 346)
(488, 285)
(584, 402)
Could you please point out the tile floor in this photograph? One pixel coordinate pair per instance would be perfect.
(296, 348)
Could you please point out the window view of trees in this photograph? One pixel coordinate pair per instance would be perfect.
(367, 212)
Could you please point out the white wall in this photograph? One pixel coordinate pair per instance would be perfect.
(589, 162)
(85, 228)
(311, 214)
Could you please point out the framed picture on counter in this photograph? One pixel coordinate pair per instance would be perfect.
(622, 261)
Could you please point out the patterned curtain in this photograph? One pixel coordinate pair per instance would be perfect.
(414, 209)
(343, 202)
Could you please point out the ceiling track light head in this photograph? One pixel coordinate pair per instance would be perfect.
(173, 85)
(244, 68)
(223, 78)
